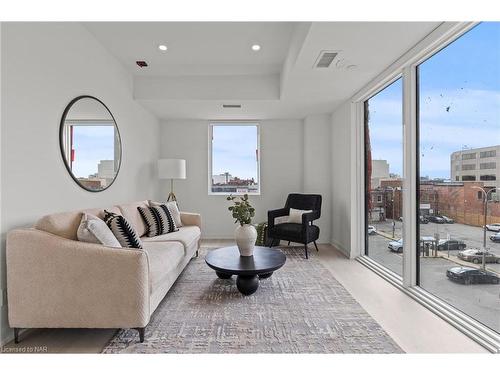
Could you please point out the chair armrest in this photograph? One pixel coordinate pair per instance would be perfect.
(273, 214)
(189, 218)
(56, 282)
(310, 217)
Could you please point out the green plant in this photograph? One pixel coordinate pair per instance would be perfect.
(241, 209)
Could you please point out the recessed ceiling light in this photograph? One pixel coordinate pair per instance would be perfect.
(162, 47)
(256, 47)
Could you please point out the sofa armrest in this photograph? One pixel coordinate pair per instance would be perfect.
(55, 282)
(189, 218)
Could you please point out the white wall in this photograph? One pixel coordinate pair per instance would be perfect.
(44, 66)
(281, 170)
(317, 170)
(341, 178)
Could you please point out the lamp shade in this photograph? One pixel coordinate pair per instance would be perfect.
(172, 168)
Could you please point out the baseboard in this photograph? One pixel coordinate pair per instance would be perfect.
(340, 247)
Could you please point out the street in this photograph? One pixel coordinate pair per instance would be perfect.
(479, 301)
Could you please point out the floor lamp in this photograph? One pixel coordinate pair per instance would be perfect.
(173, 169)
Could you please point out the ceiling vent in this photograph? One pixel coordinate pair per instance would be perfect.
(325, 59)
(231, 106)
(141, 63)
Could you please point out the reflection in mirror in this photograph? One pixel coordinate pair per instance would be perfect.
(90, 143)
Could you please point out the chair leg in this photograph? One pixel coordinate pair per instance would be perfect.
(288, 243)
(307, 255)
(141, 330)
(316, 246)
(16, 335)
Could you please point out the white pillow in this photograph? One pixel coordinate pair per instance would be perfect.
(174, 211)
(296, 215)
(94, 230)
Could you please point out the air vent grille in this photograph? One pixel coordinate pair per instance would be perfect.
(231, 106)
(325, 59)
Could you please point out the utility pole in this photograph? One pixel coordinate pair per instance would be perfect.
(485, 213)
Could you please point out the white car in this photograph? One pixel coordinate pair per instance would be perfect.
(495, 227)
(371, 229)
(396, 246)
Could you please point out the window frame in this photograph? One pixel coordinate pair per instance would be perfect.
(211, 125)
(407, 67)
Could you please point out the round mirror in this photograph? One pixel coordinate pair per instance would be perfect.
(90, 143)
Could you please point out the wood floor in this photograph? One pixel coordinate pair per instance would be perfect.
(413, 327)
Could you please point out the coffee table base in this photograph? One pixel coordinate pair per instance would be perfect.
(247, 285)
(222, 275)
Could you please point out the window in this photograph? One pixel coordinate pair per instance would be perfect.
(468, 156)
(468, 178)
(384, 161)
(468, 167)
(459, 101)
(488, 177)
(491, 165)
(488, 154)
(234, 156)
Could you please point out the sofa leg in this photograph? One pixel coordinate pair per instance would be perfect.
(307, 255)
(288, 243)
(316, 246)
(197, 253)
(16, 335)
(141, 333)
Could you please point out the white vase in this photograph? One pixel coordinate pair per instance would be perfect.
(245, 236)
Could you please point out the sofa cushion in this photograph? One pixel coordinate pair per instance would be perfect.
(123, 230)
(186, 235)
(94, 230)
(173, 208)
(130, 212)
(158, 220)
(65, 224)
(163, 257)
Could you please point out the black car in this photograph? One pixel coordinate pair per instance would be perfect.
(451, 245)
(436, 219)
(469, 275)
(447, 219)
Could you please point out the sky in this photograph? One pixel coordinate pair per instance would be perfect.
(459, 104)
(234, 150)
(91, 144)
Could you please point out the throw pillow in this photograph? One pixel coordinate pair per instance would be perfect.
(123, 231)
(158, 220)
(174, 211)
(296, 215)
(94, 230)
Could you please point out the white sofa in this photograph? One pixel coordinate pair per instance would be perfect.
(56, 281)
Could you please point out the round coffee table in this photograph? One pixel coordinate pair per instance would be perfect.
(227, 262)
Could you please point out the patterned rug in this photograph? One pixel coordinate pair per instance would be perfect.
(301, 308)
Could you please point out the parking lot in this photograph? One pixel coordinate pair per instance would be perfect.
(479, 301)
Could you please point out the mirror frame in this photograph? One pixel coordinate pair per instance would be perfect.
(61, 143)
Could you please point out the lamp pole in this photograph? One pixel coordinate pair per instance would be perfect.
(485, 213)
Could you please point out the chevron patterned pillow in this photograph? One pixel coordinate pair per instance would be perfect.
(159, 220)
(123, 231)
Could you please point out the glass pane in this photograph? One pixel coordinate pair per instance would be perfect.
(459, 111)
(235, 158)
(384, 170)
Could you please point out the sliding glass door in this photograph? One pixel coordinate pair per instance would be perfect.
(383, 131)
(459, 172)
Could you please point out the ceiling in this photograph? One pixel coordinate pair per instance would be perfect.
(208, 64)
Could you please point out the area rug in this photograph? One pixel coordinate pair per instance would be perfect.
(301, 308)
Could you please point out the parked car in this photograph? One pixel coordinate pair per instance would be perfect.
(396, 246)
(495, 237)
(423, 220)
(436, 219)
(495, 227)
(451, 245)
(371, 229)
(476, 256)
(447, 220)
(469, 275)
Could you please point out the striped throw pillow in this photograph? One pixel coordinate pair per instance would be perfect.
(123, 231)
(158, 220)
